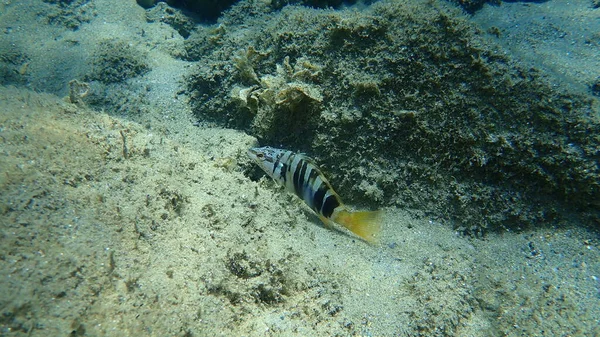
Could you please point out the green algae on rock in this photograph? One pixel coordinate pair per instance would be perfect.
(116, 61)
(486, 143)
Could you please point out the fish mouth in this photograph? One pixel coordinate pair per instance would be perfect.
(252, 154)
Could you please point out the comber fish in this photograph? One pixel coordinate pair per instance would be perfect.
(300, 175)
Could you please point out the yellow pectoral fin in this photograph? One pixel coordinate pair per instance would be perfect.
(365, 224)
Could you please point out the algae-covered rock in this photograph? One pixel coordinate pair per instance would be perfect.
(285, 101)
(146, 3)
(69, 13)
(183, 24)
(208, 10)
(408, 106)
(473, 5)
(317, 3)
(14, 63)
(116, 61)
(244, 62)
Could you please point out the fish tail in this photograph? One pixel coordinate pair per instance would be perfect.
(365, 224)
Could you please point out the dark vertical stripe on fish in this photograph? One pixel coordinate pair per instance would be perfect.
(318, 197)
(297, 176)
(301, 182)
(330, 204)
(276, 164)
(310, 186)
(283, 171)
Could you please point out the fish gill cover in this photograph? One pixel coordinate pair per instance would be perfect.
(404, 104)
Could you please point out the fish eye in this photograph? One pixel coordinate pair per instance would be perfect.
(260, 155)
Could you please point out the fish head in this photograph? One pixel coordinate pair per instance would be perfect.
(266, 157)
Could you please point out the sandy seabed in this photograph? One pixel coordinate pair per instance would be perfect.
(109, 228)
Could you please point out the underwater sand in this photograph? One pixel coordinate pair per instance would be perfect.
(147, 226)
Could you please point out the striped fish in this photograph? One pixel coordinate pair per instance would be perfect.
(300, 175)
